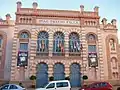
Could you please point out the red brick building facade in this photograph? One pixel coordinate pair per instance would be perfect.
(58, 43)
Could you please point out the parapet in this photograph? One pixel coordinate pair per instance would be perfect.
(35, 11)
(7, 21)
(111, 25)
(96, 8)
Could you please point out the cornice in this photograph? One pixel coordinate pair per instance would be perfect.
(57, 13)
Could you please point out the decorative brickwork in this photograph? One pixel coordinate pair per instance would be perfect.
(81, 22)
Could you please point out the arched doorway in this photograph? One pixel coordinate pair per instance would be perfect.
(59, 71)
(75, 75)
(42, 75)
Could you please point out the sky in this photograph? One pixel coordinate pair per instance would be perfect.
(108, 9)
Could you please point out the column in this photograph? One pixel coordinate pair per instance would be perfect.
(32, 53)
(84, 52)
(100, 55)
(66, 44)
(50, 43)
(50, 70)
(14, 55)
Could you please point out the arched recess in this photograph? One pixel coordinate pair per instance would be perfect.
(107, 40)
(75, 75)
(23, 46)
(59, 71)
(114, 63)
(112, 45)
(3, 41)
(92, 49)
(24, 31)
(41, 75)
(112, 37)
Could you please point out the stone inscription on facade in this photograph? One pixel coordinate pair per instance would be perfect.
(58, 22)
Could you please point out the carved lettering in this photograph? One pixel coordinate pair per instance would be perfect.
(58, 22)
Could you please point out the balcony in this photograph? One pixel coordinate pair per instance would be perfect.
(39, 53)
(58, 53)
(74, 53)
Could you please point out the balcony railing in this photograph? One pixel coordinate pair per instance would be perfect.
(74, 53)
(58, 53)
(38, 53)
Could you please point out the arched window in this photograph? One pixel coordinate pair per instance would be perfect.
(24, 35)
(42, 43)
(91, 37)
(74, 42)
(112, 44)
(58, 44)
(23, 46)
